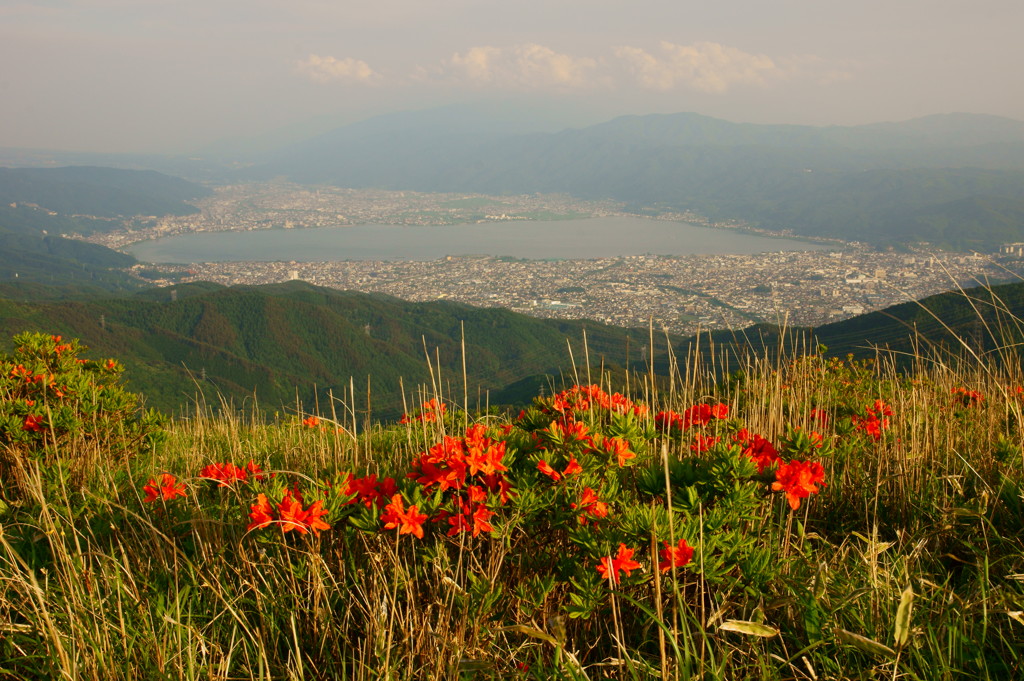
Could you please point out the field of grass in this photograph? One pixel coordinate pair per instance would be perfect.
(810, 518)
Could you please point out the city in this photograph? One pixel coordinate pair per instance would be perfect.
(678, 293)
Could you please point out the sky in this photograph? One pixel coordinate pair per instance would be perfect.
(175, 76)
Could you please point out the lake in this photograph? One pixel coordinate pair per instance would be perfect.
(559, 239)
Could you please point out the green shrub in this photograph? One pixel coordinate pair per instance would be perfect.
(65, 413)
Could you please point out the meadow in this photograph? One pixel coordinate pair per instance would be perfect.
(805, 517)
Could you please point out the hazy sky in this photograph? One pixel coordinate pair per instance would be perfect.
(175, 75)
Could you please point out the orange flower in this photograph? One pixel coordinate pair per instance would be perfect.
(821, 416)
(615, 446)
(313, 517)
(545, 468)
(623, 562)
(967, 398)
(675, 556)
(290, 514)
(757, 449)
(261, 513)
(702, 443)
(168, 489)
(590, 505)
(471, 519)
(228, 473)
(33, 423)
(311, 422)
(798, 479)
(409, 521)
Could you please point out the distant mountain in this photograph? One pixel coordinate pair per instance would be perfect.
(39, 205)
(104, 192)
(853, 182)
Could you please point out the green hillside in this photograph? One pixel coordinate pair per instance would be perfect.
(286, 341)
(294, 340)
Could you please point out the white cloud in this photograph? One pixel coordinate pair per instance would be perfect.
(327, 69)
(528, 66)
(704, 66)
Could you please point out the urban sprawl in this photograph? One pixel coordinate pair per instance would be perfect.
(678, 293)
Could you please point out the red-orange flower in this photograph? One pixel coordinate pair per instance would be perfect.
(33, 423)
(313, 517)
(228, 473)
(473, 518)
(821, 416)
(798, 479)
(168, 488)
(623, 562)
(290, 514)
(758, 449)
(406, 521)
(431, 411)
(619, 448)
(702, 443)
(675, 556)
(311, 421)
(590, 505)
(967, 398)
(261, 513)
(545, 468)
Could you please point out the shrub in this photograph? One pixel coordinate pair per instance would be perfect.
(65, 413)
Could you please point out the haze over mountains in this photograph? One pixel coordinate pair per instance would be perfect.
(886, 182)
(953, 180)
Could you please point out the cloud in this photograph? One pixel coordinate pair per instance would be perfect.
(528, 66)
(704, 66)
(327, 69)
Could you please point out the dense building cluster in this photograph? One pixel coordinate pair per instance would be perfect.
(678, 293)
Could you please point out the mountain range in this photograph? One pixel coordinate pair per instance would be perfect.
(885, 183)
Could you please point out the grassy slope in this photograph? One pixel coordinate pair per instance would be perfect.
(932, 508)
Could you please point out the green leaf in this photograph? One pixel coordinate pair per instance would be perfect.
(866, 644)
(902, 629)
(749, 628)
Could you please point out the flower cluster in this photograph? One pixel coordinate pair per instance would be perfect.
(226, 473)
(697, 415)
(578, 399)
(674, 556)
(758, 449)
(167, 489)
(289, 514)
(799, 480)
(466, 471)
(368, 490)
(431, 412)
(875, 420)
(609, 567)
(405, 520)
(967, 398)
